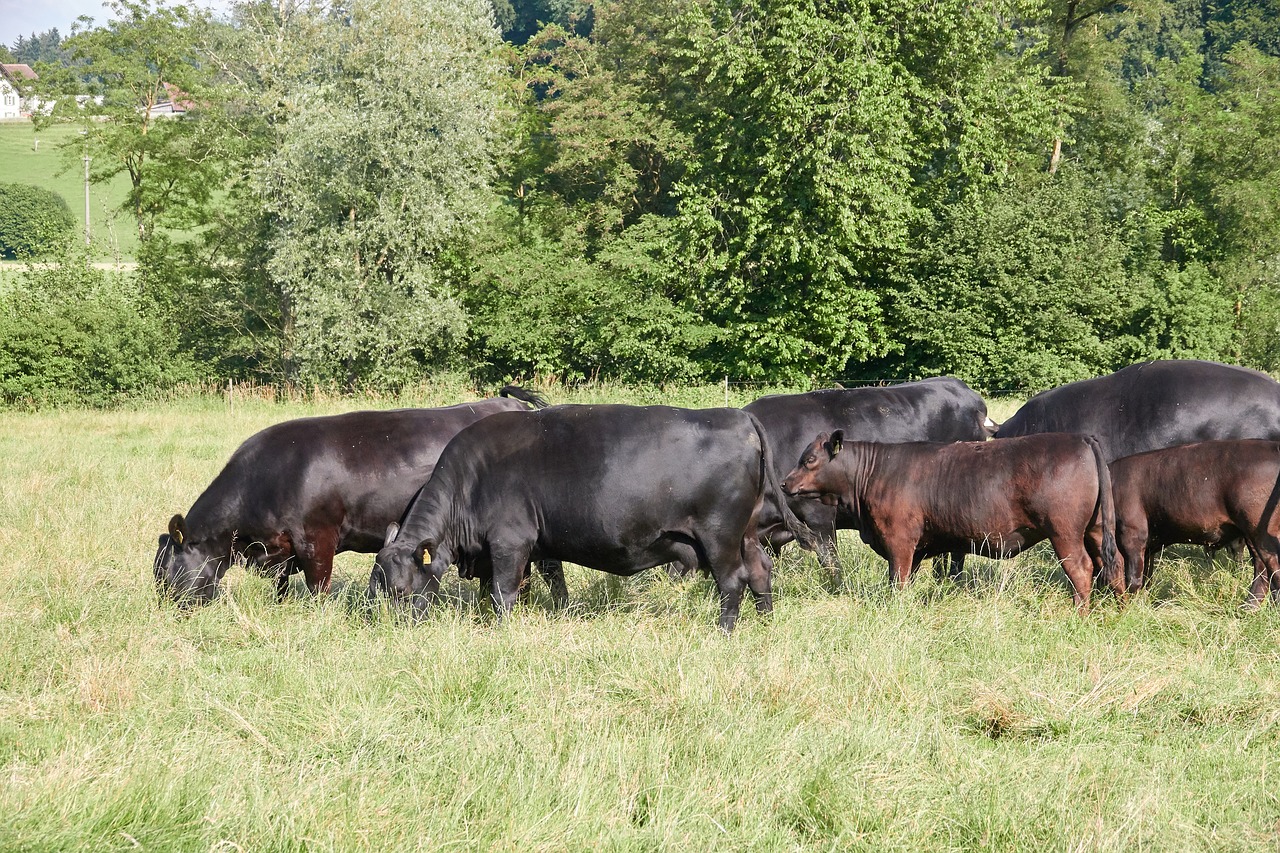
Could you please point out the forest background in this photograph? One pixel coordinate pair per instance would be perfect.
(360, 195)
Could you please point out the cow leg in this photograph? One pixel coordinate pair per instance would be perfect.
(1079, 568)
(552, 572)
(949, 565)
(902, 561)
(730, 584)
(509, 564)
(759, 574)
(829, 559)
(1266, 568)
(315, 557)
(282, 584)
(1131, 544)
(1116, 579)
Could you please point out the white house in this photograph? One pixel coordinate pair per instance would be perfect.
(12, 104)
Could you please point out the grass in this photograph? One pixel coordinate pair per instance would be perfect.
(47, 165)
(978, 715)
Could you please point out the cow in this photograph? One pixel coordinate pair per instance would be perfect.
(615, 488)
(295, 494)
(937, 409)
(1210, 493)
(921, 499)
(1156, 404)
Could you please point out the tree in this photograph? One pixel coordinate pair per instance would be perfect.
(45, 47)
(378, 174)
(818, 130)
(117, 84)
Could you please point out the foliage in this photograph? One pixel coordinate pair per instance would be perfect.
(378, 172)
(805, 138)
(33, 220)
(72, 334)
(520, 19)
(45, 47)
(537, 310)
(1031, 286)
(118, 84)
(765, 189)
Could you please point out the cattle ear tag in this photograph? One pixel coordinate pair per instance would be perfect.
(837, 441)
(177, 537)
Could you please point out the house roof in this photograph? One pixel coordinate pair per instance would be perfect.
(176, 97)
(17, 70)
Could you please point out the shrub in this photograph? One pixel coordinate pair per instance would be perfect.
(33, 220)
(73, 334)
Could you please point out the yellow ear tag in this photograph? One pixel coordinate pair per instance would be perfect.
(426, 556)
(177, 537)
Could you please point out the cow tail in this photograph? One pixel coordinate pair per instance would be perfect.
(1107, 508)
(773, 489)
(524, 395)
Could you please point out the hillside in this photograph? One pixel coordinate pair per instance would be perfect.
(49, 166)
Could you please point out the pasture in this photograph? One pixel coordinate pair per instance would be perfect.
(115, 237)
(971, 715)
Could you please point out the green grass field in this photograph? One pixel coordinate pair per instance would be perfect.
(978, 715)
(115, 237)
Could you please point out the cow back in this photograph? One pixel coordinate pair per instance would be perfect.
(1155, 405)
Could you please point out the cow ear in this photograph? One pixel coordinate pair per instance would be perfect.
(178, 529)
(836, 442)
(393, 530)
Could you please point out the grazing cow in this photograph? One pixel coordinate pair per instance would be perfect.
(298, 492)
(937, 409)
(992, 498)
(1211, 493)
(1156, 404)
(614, 488)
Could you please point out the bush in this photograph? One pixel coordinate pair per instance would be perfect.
(538, 309)
(33, 220)
(73, 334)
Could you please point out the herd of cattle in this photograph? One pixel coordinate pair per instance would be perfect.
(1108, 470)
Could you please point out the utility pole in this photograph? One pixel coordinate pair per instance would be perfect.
(87, 158)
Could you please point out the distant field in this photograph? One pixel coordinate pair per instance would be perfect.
(114, 235)
(978, 715)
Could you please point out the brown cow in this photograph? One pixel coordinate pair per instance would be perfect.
(1212, 493)
(922, 499)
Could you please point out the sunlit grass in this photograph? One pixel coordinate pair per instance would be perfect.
(977, 714)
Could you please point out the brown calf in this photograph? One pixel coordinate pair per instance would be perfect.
(1211, 493)
(996, 498)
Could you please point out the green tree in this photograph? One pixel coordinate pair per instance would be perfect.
(377, 175)
(1030, 286)
(118, 84)
(818, 132)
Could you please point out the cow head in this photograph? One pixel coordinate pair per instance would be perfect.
(407, 570)
(187, 570)
(804, 479)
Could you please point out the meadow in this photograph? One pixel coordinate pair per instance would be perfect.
(983, 714)
(27, 157)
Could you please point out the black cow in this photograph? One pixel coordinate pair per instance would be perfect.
(938, 409)
(298, 492)
(614, 488)
(1156, 404)
(922, 499)
(1211, 493)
